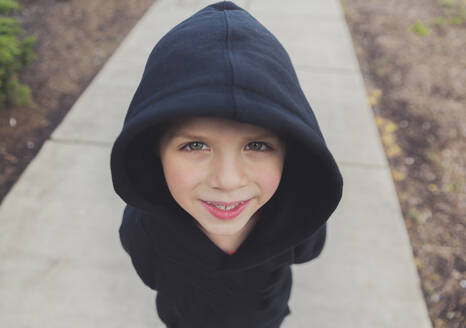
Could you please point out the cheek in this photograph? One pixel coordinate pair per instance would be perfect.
(268, 178)
(180, 176)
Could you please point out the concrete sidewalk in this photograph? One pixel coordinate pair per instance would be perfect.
(61, 262)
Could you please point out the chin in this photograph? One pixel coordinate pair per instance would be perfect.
(224, 230)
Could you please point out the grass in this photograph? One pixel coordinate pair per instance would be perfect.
(419, 28)
(453, 13)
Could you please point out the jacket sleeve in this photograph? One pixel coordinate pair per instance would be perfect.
(311, 247)
(136, 243)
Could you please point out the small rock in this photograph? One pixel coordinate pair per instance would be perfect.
(450, 314)
(409, 160)
(435, 297)
(12, 121)
(30, 144)
(404, 124)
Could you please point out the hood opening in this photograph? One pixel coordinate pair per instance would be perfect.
(222, 62)
(308, 184)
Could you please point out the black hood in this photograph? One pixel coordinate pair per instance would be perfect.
(222, 62)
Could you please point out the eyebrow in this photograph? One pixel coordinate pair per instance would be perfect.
(190, 136)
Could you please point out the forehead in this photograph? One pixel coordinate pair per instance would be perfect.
(216, 125)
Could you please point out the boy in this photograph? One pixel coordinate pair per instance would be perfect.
(193, 176)
(226, 174)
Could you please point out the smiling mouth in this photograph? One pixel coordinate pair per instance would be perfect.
(225, 213)
(224, 205)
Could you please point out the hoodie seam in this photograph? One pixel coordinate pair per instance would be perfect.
(230, 61)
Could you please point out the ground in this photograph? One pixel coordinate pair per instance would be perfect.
(416, 84)
(412, 55)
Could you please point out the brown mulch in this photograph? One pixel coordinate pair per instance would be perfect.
(417, 88)
(75, 39)
(415, 84)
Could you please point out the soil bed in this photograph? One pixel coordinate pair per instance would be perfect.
(416, 84)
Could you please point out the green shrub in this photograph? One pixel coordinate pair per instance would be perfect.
(15, 54)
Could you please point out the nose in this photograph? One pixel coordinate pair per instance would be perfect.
(227, 172)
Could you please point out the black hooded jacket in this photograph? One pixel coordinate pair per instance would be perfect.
(222, 62)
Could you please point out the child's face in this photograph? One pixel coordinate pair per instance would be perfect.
(225, 161)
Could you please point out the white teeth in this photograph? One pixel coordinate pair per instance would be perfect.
(225, 208)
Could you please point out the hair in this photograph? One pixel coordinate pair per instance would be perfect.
(160, 131)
